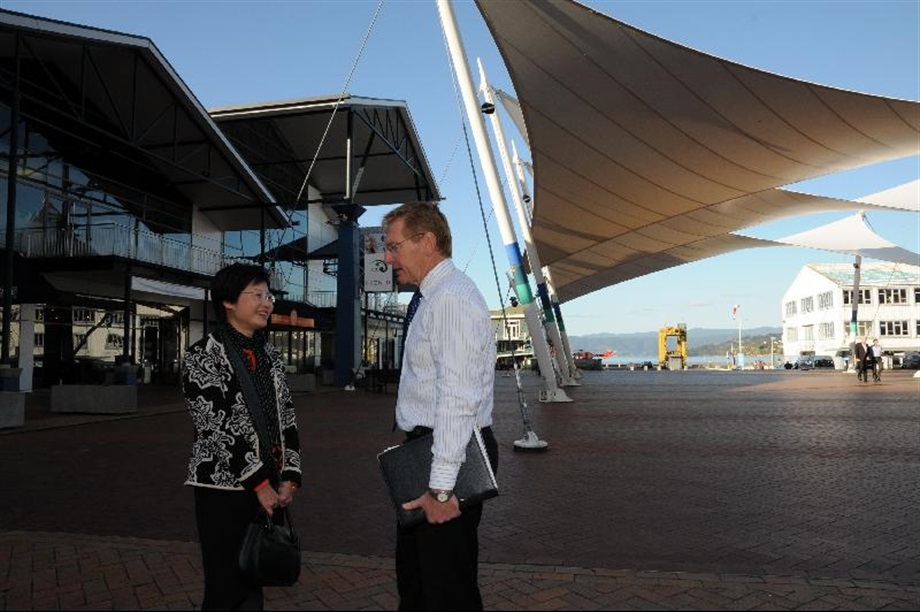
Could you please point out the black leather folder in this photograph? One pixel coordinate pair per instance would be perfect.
(407, 467)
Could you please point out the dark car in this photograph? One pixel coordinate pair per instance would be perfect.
(911, 361)
(808, 362)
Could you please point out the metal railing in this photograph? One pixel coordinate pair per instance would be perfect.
(118, 241)
(136, 245)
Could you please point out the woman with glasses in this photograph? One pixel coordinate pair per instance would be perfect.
(233, 473)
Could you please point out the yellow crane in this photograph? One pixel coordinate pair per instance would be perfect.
(676, 358)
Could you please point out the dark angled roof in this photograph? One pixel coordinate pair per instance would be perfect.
(280, 141)
(112, 106)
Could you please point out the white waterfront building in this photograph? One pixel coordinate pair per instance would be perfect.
(818, 306)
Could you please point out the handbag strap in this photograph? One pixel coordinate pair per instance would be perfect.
(253, 404)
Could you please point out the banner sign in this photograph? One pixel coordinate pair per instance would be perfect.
(292, 319)
(378, 275)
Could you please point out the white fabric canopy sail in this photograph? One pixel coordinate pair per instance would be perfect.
(854, 236)
(647, 154)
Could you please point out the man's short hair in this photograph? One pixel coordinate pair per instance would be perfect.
(231, 281)
(421, 217)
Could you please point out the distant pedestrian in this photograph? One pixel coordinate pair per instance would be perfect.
(446, 387)
(865, 359)
(231, 472)
(876, 361)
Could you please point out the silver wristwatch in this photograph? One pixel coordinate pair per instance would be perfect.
(441, 495)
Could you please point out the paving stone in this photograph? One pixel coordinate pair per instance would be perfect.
(766, 490)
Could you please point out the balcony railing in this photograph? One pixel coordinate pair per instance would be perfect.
(120, 241)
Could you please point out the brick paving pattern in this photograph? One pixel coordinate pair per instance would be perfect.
(661, 490)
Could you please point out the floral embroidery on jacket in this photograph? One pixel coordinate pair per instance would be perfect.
(225, 453)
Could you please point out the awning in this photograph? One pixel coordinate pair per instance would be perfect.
(854, 236)
(646, 152)
(602, 262)
(368, 150)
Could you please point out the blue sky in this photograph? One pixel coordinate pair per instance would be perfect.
(236, 52)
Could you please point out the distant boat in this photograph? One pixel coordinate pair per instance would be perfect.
(586, 360)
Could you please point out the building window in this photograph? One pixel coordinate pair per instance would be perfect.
(39, 340)
(808, 333)
(808, 304)
(79, 339)
(514, 330)
(114, 342)
(863, 328)
(825, 300)
(865, 296)
(790, 308)
(916, 295)
(893, 328)
(792, 334)
(825, 331)
(117, 318)
(40, 314)
(892, 296)
(83, 315)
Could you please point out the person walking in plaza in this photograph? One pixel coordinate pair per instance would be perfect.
(876, 360)
(232, 474)
(862, 353)
(446, 387)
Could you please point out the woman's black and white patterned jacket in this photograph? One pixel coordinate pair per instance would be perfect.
(225, 454)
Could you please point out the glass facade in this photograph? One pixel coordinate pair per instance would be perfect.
(66, 211)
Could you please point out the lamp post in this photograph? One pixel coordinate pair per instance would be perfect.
(772, 360)
(736, 316)
(740, 348)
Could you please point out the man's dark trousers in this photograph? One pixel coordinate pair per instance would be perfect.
(437, 566)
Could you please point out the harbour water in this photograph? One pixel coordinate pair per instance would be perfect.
(694, 361)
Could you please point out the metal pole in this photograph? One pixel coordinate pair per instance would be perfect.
(551, 392)
(10, 236)
(533, 256)
(574, 372)
(854, 303)
(545, 286)
(740, 349)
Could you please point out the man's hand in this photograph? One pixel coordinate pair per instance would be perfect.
(435, 512)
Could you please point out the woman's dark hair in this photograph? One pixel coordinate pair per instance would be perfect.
(231, 281)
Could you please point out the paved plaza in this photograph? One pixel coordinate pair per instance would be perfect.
(661, 490)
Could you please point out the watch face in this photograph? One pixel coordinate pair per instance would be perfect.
(442, 496)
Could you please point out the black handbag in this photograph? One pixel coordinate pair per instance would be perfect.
(270, 552)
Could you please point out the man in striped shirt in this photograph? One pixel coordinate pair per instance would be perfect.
(446, 387)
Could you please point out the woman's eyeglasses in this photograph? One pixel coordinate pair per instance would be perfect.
(262, 297)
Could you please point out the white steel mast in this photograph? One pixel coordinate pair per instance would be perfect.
(551, 392)
(536, 268)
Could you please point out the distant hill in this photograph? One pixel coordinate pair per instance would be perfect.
(699, 341)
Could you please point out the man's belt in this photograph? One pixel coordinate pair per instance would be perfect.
(419, 431)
